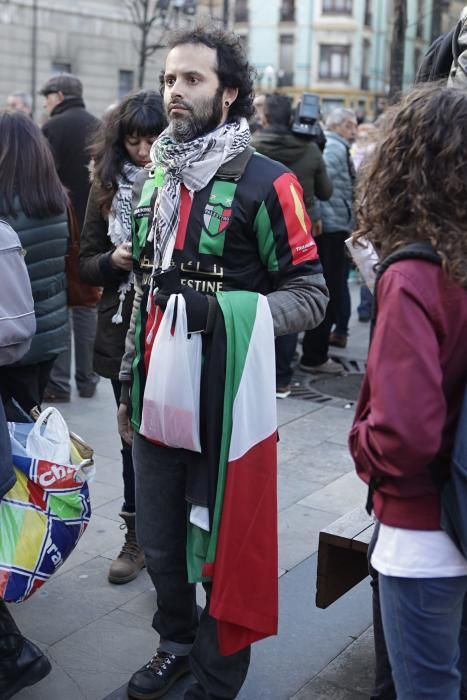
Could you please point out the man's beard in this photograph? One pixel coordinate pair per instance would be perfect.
(202, 117)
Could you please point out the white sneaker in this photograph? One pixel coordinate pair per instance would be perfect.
(328, 367)
(282, 392)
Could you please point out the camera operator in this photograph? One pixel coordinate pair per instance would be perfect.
(302, 155)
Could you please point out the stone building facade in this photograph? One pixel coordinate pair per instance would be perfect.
(336, 48)
(95, 39)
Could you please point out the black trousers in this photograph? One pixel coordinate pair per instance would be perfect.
(331, 249)
(25, 384)
(285, 349)
(127, 462)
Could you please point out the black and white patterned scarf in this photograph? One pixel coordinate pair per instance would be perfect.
(193, 163)
(119, 230)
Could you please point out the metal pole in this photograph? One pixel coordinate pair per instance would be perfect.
(34, 56)
(436, 15)
(396, 70)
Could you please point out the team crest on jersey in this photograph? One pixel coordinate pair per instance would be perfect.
(216, 218)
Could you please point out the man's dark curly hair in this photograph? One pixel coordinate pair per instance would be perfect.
(233, 69)
(414, 185)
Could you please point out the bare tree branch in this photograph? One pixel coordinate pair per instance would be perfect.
(152, 19)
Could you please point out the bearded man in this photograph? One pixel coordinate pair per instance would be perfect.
(227, 229)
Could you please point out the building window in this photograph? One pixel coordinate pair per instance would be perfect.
(334, 62)
(285, 74)
(126, 81)
(241, 11)
(366, 55)
(287, 13)
(368, 13)
(330, 103)
(337, 7)
(60, 67)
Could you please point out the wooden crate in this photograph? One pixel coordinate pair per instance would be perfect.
(342, 556)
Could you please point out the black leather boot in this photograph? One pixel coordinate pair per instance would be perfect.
(21, 662)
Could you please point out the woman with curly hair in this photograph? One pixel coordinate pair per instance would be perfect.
(120, 152)
(415, 190)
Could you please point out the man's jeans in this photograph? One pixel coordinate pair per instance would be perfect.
(425, 631)
(83, 320)
(161, 524)
(365, 308)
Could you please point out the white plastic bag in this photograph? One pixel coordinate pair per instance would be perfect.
(172, 393)
(49, 439)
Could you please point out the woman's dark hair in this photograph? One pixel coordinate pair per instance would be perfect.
(27, 170)
(414, 186)
(233, 69)
(139, 114)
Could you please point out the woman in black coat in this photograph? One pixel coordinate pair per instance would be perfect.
(121, 152)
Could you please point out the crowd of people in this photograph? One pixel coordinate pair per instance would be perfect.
(170, 194)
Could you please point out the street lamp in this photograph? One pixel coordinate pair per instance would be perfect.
(34, 56)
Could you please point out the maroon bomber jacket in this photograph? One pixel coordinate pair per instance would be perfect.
(412, 391)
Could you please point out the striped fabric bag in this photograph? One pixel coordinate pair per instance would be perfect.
(42, 517)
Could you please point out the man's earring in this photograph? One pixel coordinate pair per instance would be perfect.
(227, 103)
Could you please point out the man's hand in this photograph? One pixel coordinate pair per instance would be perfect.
(317, 228)
(124, 426)
(121, 258)
(197, 307)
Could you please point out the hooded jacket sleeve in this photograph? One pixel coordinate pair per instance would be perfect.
(288, 251)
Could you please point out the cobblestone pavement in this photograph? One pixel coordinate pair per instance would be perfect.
(97, 635)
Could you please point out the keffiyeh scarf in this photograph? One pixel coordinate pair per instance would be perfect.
(119, 230)
(193, 163)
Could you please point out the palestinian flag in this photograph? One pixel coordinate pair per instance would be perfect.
(240, 551)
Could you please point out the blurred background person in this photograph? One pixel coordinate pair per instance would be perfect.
(120, 152)
(363, 147)
(34, 203)
(256, 122)
(20, 102)
(69, 130)
(301, 154)
(337, 224)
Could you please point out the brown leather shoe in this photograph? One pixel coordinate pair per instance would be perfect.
(130, 561)
(337, 340)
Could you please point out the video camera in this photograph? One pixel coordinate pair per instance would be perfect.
(306, 119)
